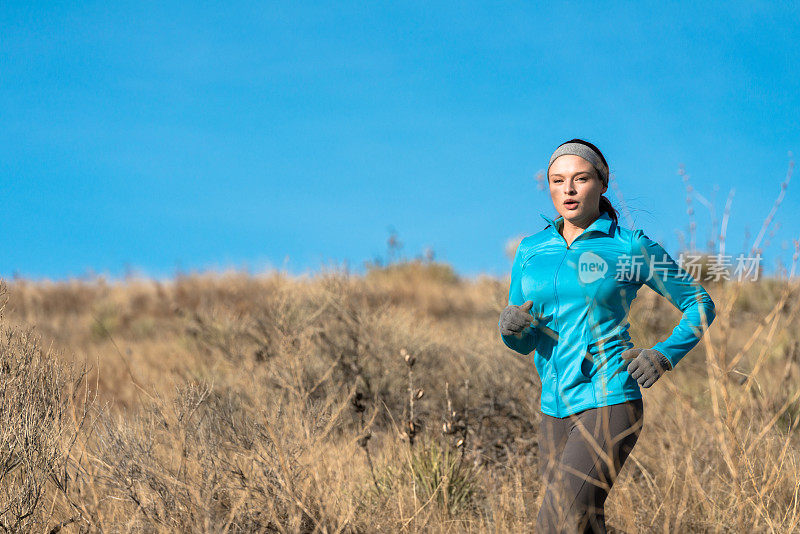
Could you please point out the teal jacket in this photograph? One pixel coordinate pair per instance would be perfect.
(581, 296)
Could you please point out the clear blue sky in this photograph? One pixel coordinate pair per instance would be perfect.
(159, 136)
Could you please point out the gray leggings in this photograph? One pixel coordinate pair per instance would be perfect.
(579, 468)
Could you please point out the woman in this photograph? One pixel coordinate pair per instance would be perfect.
(572, 285)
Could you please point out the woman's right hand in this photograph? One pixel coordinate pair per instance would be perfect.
(514, 319)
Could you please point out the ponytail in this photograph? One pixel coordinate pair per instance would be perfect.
(605, 206)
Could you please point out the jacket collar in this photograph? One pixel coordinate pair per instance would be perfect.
(604, 223)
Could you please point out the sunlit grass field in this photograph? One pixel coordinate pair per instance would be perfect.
(376, 403)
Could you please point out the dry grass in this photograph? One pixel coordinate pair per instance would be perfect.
(277, 404)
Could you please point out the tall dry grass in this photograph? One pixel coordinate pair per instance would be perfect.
(272, 403)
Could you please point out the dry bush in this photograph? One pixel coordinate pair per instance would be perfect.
(39, 426)
(217, 459)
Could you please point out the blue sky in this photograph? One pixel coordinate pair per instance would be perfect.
(161, 138)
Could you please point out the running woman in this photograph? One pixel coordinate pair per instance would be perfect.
(572, 285)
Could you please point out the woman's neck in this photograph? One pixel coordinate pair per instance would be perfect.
(570, 230)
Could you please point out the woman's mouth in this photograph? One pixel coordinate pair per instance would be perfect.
(571, 204)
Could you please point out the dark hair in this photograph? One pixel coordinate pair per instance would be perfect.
(605, 204)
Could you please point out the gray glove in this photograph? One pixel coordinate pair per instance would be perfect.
(514, 319)
(646, 365)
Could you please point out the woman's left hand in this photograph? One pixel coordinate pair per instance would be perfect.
(646, 365)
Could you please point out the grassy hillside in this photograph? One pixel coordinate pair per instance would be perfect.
(276, 404)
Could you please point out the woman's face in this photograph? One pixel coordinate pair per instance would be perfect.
(575, 188)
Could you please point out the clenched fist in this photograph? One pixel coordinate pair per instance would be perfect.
(646, 365)
(514, 319)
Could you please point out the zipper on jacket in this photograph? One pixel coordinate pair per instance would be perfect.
(558, 305)
(568, 247)
(555, 317)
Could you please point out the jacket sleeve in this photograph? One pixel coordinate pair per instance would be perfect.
(525, 343)
(662, 274)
